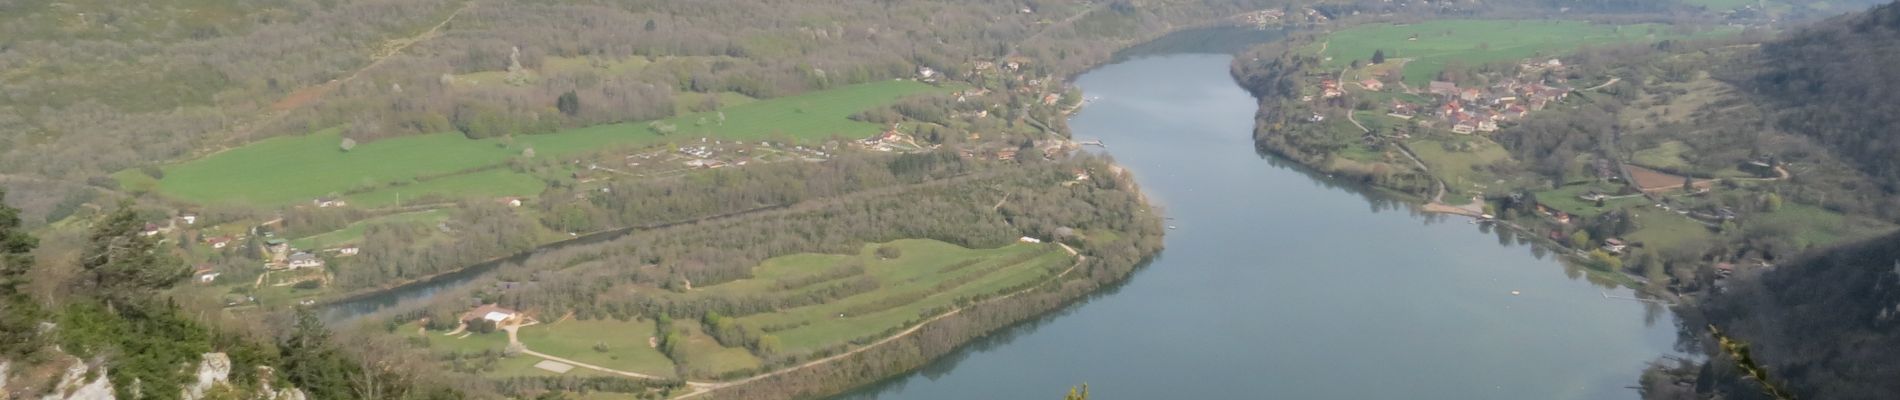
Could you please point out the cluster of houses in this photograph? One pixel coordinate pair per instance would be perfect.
(1262, 18)
(884, 141)
(1469, 109)
(1480, 109)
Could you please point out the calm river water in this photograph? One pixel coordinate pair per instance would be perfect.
(1280, 284)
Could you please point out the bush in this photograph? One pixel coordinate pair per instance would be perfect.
(889, 252)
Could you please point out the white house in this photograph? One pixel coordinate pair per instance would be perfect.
(304, 260)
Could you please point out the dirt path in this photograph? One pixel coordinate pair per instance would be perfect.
(311, 94)
(1612, 81)
(525, 350)
(1065, 21)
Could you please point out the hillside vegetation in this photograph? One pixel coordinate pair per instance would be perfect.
(1835, 81)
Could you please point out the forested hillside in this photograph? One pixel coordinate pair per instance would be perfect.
(1822, 327)
(95, 88)
(1835, 81)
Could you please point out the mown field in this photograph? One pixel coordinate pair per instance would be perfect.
(926, 276)
(1459, 161)
(1474, 42)
(1566, 200)
(288, 170)
(624, 342)
(924, 267)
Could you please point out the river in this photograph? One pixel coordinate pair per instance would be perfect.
(1281, 284)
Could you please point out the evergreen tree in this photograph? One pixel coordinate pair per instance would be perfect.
(18, 314)
(123, 264)
(1378, 56)
(569, 103)
(309, 361)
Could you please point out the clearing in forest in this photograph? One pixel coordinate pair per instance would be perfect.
(354, 232)
(1431, 45)
(292, 169)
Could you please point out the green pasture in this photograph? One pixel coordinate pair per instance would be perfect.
(1474, 42)
(289, 170)
(625, 343)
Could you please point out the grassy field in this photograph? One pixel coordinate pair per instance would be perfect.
(923, 266)
(288, 170)
(1565, 199)
(1722, 4)
(626, 344)
(705, 354)
(1820, 227)
(1473, 42)
(1460, 167)
(354, 232)
(523, 365)
(1663, 229)
(474, 343)
(1666, 155)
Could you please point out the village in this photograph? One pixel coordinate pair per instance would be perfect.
(1609, 210)
(1468, 109)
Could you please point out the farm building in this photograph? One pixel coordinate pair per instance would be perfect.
(491, 313)
(304, 260)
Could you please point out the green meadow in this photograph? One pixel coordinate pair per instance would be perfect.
(910, 285)
(288, 170)
(1473, 42)
(624, 344)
